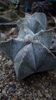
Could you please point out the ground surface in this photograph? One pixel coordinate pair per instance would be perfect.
(41, 86)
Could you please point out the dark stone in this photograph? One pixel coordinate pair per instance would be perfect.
(4, 97)
(11, 88)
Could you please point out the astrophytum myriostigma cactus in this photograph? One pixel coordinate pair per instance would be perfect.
(31, 50)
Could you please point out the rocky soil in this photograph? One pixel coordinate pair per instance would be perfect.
(40, 86)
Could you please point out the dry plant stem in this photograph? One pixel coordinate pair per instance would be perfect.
(4, 2)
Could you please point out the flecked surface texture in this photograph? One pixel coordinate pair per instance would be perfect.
(40, 86)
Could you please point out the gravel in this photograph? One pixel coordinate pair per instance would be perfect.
(40, 86)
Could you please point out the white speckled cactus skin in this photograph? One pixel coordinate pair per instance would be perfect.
(30, 51)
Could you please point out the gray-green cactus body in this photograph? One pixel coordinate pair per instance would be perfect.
(30, 51)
